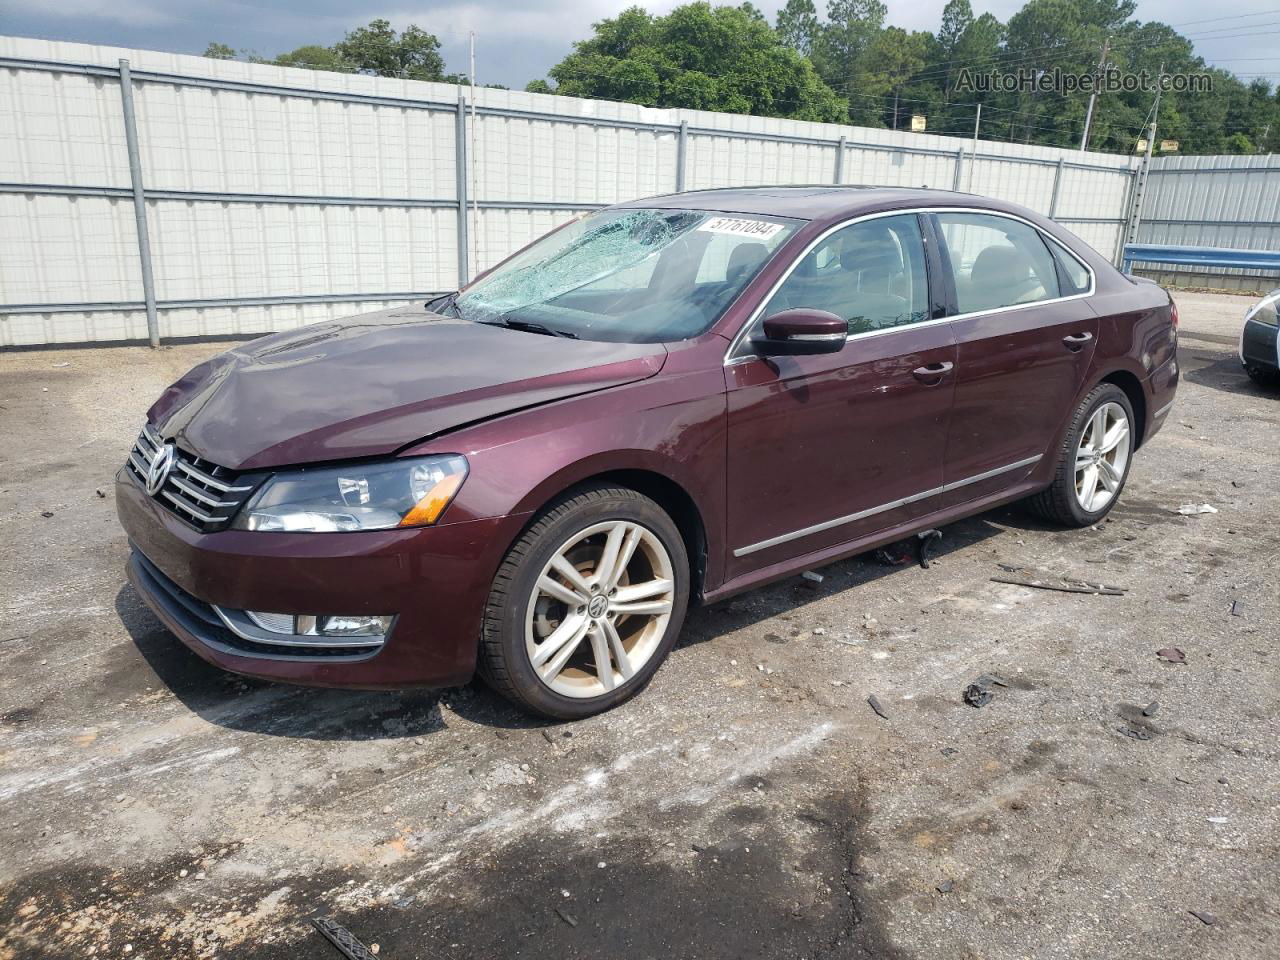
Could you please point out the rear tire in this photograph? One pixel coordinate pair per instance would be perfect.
(1093, 462)
(586, 605)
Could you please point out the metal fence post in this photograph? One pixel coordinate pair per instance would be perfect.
(841, 146)
(460, 165)
(682, 154)
(1057, 185)
(139, 203)
(955, 180)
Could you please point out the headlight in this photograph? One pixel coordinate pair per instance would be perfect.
(362, 496)
(1264, 311)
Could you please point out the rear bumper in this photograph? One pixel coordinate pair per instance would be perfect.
(1260, 346)
(435, 580)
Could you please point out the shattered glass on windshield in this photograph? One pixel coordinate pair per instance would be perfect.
(632, 275)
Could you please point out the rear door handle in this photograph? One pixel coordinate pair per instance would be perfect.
(932, 373)
(1076, 341)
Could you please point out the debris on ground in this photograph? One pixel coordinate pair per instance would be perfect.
(812, 576)
(342, 938)
(926, 540)
(894, 555)
(899, 554)
(978, 695)
(877, 706)
(1042, 580)
(46, 514)
(1135, 733)
(1150, 709)
(567, 917)
(1193, 509)
(1171, 655)
(1208, 919)
(1237, 608)
(101, 495)
(946, 886)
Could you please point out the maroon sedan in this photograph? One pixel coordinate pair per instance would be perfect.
(670, 400)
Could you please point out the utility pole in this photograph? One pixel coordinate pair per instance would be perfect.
(1136, 220)
(973, 154)
(1093, 95)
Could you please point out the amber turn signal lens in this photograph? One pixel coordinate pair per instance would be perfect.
(428, 509)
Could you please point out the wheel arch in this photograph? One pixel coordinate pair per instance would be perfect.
(1132, 388)
(661, 488)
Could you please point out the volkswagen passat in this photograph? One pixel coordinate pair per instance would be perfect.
(664, 402)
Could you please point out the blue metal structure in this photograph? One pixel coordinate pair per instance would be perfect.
(1198, 256)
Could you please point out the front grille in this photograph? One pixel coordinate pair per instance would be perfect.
(202, 494)
(212, 625)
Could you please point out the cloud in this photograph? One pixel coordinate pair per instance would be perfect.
(129, 13)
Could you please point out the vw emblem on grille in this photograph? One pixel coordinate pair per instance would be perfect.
(158, 472)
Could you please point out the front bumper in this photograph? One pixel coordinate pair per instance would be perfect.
(1260, 346)
(435, 580)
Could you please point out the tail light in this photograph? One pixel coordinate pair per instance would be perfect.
(1173, 312)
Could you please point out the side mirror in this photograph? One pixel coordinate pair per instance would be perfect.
(801, 332)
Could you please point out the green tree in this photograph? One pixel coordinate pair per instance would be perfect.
(798, 26)
(897, 56)
(697, 56)
(377, 49)
(843, 55)
(313, 57)
(219, 51)
(538, 86)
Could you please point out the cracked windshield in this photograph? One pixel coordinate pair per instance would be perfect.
(635, 276)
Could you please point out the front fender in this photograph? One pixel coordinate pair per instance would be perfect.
(672, 426)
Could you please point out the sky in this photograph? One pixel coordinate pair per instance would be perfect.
(515, 44)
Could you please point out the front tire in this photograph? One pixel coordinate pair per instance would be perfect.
(1263, 376)
(1093, 463)
(586, 605)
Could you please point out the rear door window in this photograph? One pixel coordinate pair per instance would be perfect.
(997, 262)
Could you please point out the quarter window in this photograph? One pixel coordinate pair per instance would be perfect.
(1073, 274)
(997, 262)
(870, 273)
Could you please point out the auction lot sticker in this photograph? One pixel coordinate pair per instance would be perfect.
(759, 229)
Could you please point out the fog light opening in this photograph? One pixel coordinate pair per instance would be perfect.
(322, 625)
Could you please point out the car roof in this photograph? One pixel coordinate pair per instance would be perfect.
(816, 202)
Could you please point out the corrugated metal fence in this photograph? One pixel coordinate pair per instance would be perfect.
(230, 198)
(1213, 202)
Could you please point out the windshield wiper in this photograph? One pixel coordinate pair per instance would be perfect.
(440, 304)
(528, 326)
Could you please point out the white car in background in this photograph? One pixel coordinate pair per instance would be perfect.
(1260, 341)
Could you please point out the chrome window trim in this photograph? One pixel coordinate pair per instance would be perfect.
(884, 507)
(738, 338)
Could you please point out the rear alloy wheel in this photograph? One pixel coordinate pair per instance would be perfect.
(1102, 457)
(587, 605)
(1093, 462)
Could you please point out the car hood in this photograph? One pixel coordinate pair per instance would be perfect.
(371, 384)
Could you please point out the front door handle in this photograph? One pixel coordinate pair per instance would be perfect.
(1076, 342)
(932, 373)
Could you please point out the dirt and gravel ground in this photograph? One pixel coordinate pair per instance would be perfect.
(750, 804)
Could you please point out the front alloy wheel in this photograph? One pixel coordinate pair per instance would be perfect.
(599, 609)
(587, 604)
